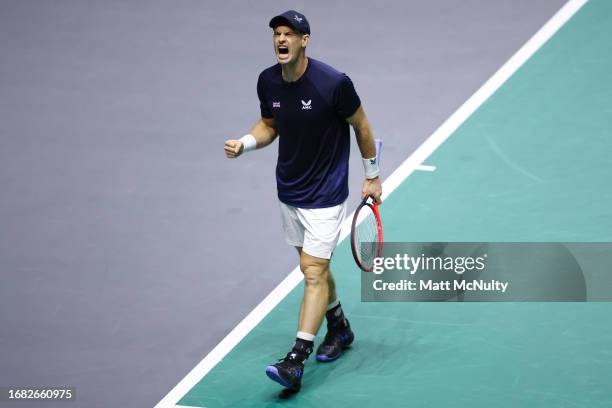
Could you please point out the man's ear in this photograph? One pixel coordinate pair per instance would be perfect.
(305, 40)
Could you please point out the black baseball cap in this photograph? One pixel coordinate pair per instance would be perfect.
(293, 19)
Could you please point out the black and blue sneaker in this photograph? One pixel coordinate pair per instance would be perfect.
(288, 371)
(337, 339)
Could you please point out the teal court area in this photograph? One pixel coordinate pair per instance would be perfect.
(532, 163)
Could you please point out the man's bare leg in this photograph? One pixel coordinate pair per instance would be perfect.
(288, 371)
(319, 301)
(339, 334)
(332, 293)
(316, 292)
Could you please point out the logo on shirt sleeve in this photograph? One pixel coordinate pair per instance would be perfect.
(307, 105)
(276, 104)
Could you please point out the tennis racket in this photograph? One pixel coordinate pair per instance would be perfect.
(366, 229)
(366, 234)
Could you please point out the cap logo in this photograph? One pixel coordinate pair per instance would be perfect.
(297, 18)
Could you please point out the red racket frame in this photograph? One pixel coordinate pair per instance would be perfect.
(354, 248)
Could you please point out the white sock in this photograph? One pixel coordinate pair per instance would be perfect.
(305, 336)
(333, 304)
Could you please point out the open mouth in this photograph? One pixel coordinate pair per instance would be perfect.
(283, 50)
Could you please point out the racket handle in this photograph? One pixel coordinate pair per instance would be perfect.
(378, 143)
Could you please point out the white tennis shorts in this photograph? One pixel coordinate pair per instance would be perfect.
(316, 230)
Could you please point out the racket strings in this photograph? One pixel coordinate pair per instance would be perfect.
(367, 238)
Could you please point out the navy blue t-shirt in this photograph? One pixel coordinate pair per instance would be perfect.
(314, 137)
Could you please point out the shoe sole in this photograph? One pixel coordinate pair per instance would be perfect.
(326, 359)
(272, 372)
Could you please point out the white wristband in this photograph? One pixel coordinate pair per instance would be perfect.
(248, 142)
(370, 166)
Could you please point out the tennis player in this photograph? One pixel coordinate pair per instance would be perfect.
(309, 106)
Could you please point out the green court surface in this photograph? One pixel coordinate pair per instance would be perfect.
(532, 164)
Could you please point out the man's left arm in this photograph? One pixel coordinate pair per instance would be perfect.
(372, 185)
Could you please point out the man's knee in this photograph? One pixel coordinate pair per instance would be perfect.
(315, 270)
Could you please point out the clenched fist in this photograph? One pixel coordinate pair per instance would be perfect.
(233, 148)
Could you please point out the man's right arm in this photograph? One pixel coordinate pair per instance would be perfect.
(262, 134)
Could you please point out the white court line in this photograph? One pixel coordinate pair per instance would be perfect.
(394, 180)
(424, 167)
